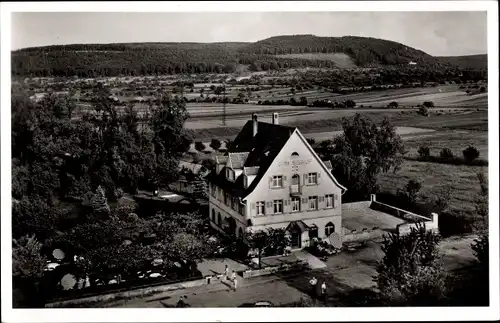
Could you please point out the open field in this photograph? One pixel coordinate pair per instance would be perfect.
(456, 140)
(331, 120)
(434, 177)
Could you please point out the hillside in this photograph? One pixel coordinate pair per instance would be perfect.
(91, 60)
(469, 61)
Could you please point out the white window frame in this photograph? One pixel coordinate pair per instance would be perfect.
(295, 201)
(277, 203)
(329, 197)
(311, 176)
(277, 181)
(315, 199)
(261, 205)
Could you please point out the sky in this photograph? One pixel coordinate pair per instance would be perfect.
(436, 33)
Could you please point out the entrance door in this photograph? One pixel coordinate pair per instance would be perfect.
(295, 239)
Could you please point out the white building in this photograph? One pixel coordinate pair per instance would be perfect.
(271, 177)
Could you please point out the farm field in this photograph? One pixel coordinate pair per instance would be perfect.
(331, 120)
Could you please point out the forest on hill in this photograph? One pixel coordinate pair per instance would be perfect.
(468, 61)
(133, 59)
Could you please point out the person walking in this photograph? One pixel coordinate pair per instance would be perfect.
(313, 282)
(233, 276)
(226, 273)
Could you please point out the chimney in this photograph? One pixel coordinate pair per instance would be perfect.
(254, 124)
(275, 118)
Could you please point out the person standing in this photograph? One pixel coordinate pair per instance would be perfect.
(235, 283)
(323, 291)
(313, 282)
(226, 273)
(233, 276)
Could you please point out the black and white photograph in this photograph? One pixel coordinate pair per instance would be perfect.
(232, 157)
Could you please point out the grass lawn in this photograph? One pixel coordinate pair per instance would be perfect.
(434, 177)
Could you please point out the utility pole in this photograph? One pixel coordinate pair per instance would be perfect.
(224, 103)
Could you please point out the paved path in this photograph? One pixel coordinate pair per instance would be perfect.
(313, 261)
(344, 272)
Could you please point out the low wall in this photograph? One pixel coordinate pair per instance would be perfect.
(356, 205)
(397, 212)
(127, 294)
(362, 236)
(302, 264)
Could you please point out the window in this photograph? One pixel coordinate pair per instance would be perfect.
(295, 204)
(329, 201)
(277, 181)
(313, 202)
(213, 190)
(312, 178)
(261, 208)
(329, 229)
(227, 199)
(278, 206)
(219, 218)
(213, 215)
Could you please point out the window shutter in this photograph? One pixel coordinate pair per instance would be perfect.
(253, 206)
(304, 200)
(305, 179)
(286, 202)
(321, 198)
(336, 197)
(284, 180)
(318, 177)
(270, 181)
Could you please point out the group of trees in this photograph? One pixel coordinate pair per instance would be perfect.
(470, 156)
(66, 169)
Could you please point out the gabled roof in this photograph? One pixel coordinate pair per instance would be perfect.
(259, 153)
(297, 224)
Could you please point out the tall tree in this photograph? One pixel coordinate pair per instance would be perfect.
(170, 138)
(410, 272)
(363, 151)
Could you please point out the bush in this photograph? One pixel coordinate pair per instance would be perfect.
(470, 153)
(428, 104)
(393, 104)
(410, 191)
(423, 111)
(446, 153)
(215, 144)
(424, 152)
(350, 104)
(199, 146)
